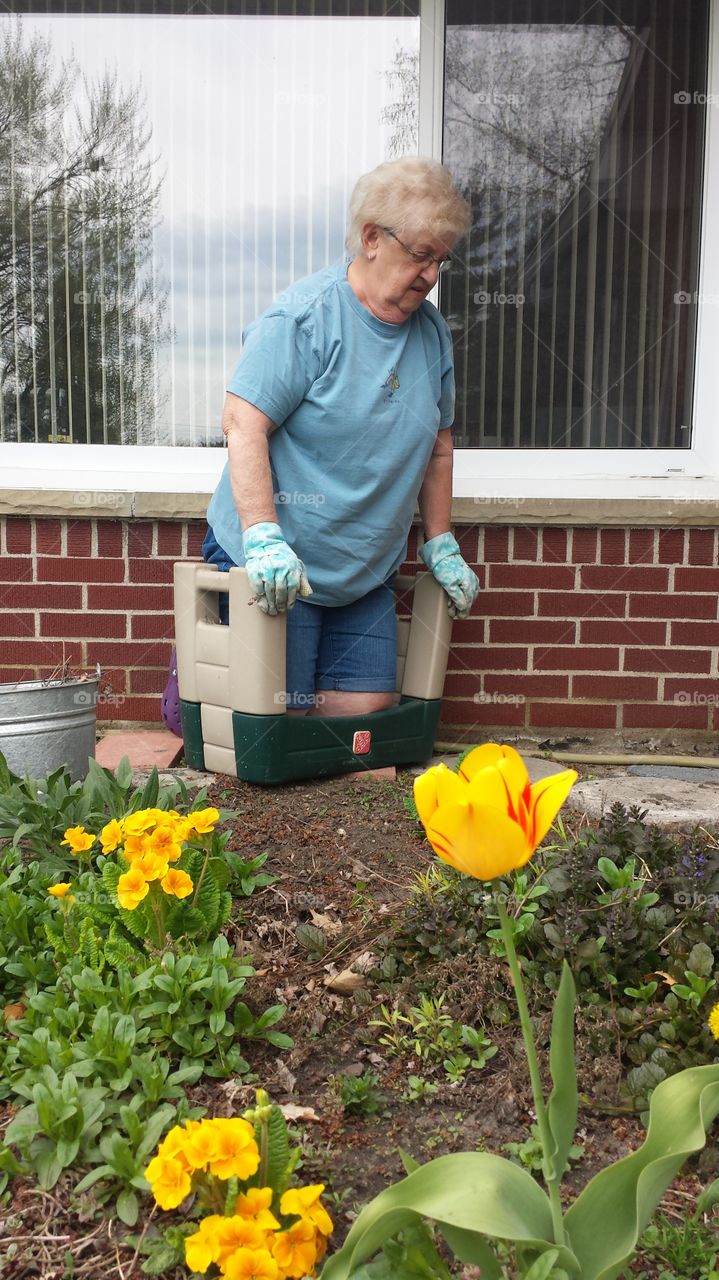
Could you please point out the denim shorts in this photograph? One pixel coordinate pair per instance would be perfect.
(351, 647)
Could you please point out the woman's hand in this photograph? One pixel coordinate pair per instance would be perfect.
(277, 576)
(443, 558)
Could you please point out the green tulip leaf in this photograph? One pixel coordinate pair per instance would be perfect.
(542, 1267)
(607, 1219)
(473, 1190)
(473, 1251)
(562, 1104)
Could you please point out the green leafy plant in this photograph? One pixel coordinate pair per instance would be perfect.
(359, 1094)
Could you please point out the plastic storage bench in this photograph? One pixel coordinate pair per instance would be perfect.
(232, 686)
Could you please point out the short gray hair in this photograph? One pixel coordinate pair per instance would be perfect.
(412, 196)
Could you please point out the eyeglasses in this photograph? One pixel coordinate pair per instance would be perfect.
(422, 259)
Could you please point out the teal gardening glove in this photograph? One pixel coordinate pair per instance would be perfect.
(277, 576)
(444, 560)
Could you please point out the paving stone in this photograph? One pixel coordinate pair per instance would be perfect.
(668, 802)
(684, 773)
(143, 748)
(388, 771)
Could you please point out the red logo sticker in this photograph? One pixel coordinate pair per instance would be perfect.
(361, 742)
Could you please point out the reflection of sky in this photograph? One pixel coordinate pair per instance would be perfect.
(261, 126)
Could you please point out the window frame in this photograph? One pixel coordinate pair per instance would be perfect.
(479, 473)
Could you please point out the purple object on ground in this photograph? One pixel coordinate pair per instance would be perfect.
(171, 699)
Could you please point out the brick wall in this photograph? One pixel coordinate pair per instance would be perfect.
(578, 633)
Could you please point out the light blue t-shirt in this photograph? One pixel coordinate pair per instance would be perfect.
(358, 403)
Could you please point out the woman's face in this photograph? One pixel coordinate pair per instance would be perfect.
(397, 284)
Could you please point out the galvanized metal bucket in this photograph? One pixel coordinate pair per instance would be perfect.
(47, 724)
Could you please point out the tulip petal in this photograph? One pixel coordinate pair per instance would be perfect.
(489, 788)
(480, 840)
(483, 757)
(425, 794)
(547, 797)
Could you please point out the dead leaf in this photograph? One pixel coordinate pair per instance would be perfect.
(291, 1111)
(345, 983)
(285, 1079)
(12, 1012)
(331, 928)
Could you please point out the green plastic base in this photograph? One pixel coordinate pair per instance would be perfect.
(275, 749)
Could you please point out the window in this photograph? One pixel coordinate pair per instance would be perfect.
(165, 175)
(577, 133)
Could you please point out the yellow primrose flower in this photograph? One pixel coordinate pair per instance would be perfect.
(59, 890)
(78, 840)
(305, 1202)
(136, 824)
(150, 865)
(237, 1153)
(173, 1144)
(169, 1180)
(714, 1021)
(254, 1204)
(487, 819)
(131, 889)
(251, 1264)
(177, 883)
(202, 1248)
(237, 1233)
(111, 836)
(294, 1250)
(203, 821)
(164, 842)
(135, 846)
(200, 1147)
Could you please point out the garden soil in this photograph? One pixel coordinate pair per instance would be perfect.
(345, 854)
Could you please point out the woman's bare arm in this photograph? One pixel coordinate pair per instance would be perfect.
(248, 430)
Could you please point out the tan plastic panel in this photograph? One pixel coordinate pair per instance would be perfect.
(220, 760)
(425, 664)
(217, 726)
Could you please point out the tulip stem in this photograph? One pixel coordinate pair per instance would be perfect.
(548, 1170)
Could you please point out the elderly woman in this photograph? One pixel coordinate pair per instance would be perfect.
(337, 422)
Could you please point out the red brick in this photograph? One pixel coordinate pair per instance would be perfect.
(114, 680)
(79, 539)
(525, 545)
(532, 576)
(18, 535)
(152, 626)
(531, 631)
(696, 579)
(109, 538)
(471, 631)
(465, 713)
(702, 544)
(496, 544)
(656, 716)
(499, 713)
(468, 541)
(489, 658)
(79, 570)
(40, 595)
(132, 709)
(697, 661)
(578, 659)
(139, 537)
(641, 546)
(154, 653)
(699, 692)
(17, 624)
(670, 546)
(621, 577)
(530, 686)
(573, 715)
(462, 684)
(597, 631)
(169, 539)
(40, 652)
(672, 605)
(700, 633)
(15, 569)
(151, 570)
(620, 688)
(584, 546)
(505, 604)
(14, 675)
(575, 604)
(613, 546)
(104, 626)
(143, 680)
(196, 532)
(554, 546)
(48, 537)
(129, 597)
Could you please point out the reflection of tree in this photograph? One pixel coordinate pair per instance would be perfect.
(81, 315)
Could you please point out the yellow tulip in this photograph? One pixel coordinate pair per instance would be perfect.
(487, 819)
